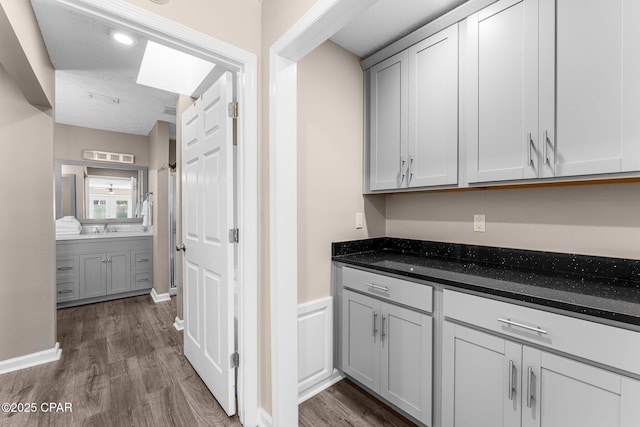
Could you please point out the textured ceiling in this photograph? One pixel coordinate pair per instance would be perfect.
(387, 21)
(86, 60)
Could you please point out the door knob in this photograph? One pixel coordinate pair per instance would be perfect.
(181, 247)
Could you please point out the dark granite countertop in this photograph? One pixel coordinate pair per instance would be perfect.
(608, 288)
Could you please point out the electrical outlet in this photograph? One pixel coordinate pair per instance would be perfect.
(359, 220)
(478, 223)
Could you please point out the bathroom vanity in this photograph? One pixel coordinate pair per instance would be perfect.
(100, 267)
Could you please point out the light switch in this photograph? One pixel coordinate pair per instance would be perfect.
(478, 223)
(359, 220)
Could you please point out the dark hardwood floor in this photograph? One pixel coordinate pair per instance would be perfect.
(122, 365)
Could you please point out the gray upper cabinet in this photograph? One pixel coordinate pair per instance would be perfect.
(388, 117)
(433, 110)
(500, 94)
(589, 87)
(413, 116)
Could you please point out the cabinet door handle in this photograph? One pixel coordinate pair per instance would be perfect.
(520, 325)
(547, 142)
(379, 288)
(531, 144)
(382, 334)
(65, 268)
(109, 260)
(402, 162)
(142, 280)
(530, 378)
(410, 169)
(512, 377)
(143, 260)
(65, 291)
(104, 261)
(375, 330)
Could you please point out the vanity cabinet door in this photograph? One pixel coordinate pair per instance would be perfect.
(93, 275)
(481, 379)
(562, 392)
(118, 272)
(361, 338)
(406, 344)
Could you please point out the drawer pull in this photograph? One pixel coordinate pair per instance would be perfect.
(379, 288)
(143, 260)
(142, 280)
(65, 291)
(65, 268)
(520, 325)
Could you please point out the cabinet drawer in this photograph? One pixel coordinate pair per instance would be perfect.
(389, 288)
(142, 280)
(141, 261)
(67, 266)
(67, 289)
(615, 347)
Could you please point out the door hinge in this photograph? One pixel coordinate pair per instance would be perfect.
(233, 110)
(234, 235)
(235, 359)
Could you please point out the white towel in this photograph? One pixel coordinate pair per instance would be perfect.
(68, 225)
(146, 213)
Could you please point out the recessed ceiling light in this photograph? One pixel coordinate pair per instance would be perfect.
(123, 38)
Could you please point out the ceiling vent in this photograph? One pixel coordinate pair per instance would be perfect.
(103, 156)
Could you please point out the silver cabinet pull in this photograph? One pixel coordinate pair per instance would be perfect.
(109, 260)
(379, 288)
(531, 144)
(547, 143)
(104, 261)
(375, 330)
(142, 280)
(410, 169)
(65, 291)
(142, 260)
(529, 386)
(520, 325)
(382, 334)
(402, 162)
(64, 268)
(512, 378)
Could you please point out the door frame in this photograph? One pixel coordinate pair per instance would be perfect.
(316, 26)
(245, 65)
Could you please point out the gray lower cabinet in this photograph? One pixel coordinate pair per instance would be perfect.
(489, 379)
(94, 269)
(388, 348)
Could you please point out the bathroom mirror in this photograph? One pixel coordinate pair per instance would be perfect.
(97, 192)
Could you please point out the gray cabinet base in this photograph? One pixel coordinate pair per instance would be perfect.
(104, 298)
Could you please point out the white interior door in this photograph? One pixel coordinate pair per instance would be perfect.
(207, 203)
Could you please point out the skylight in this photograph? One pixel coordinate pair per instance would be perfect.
(171, 70)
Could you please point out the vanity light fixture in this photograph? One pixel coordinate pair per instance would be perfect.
(124, 38)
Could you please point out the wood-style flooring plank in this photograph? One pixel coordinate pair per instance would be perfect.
(123, 365)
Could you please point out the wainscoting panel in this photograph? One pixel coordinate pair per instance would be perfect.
(315, 347)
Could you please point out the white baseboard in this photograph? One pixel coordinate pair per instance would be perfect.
(321, 386)
(264, 419)
(29, 360)
(156, 297)
(178, 324)
(315, 346)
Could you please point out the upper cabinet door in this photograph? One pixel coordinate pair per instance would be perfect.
(501, 91)
(388, 123)
(433, 110)
(589, 86)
